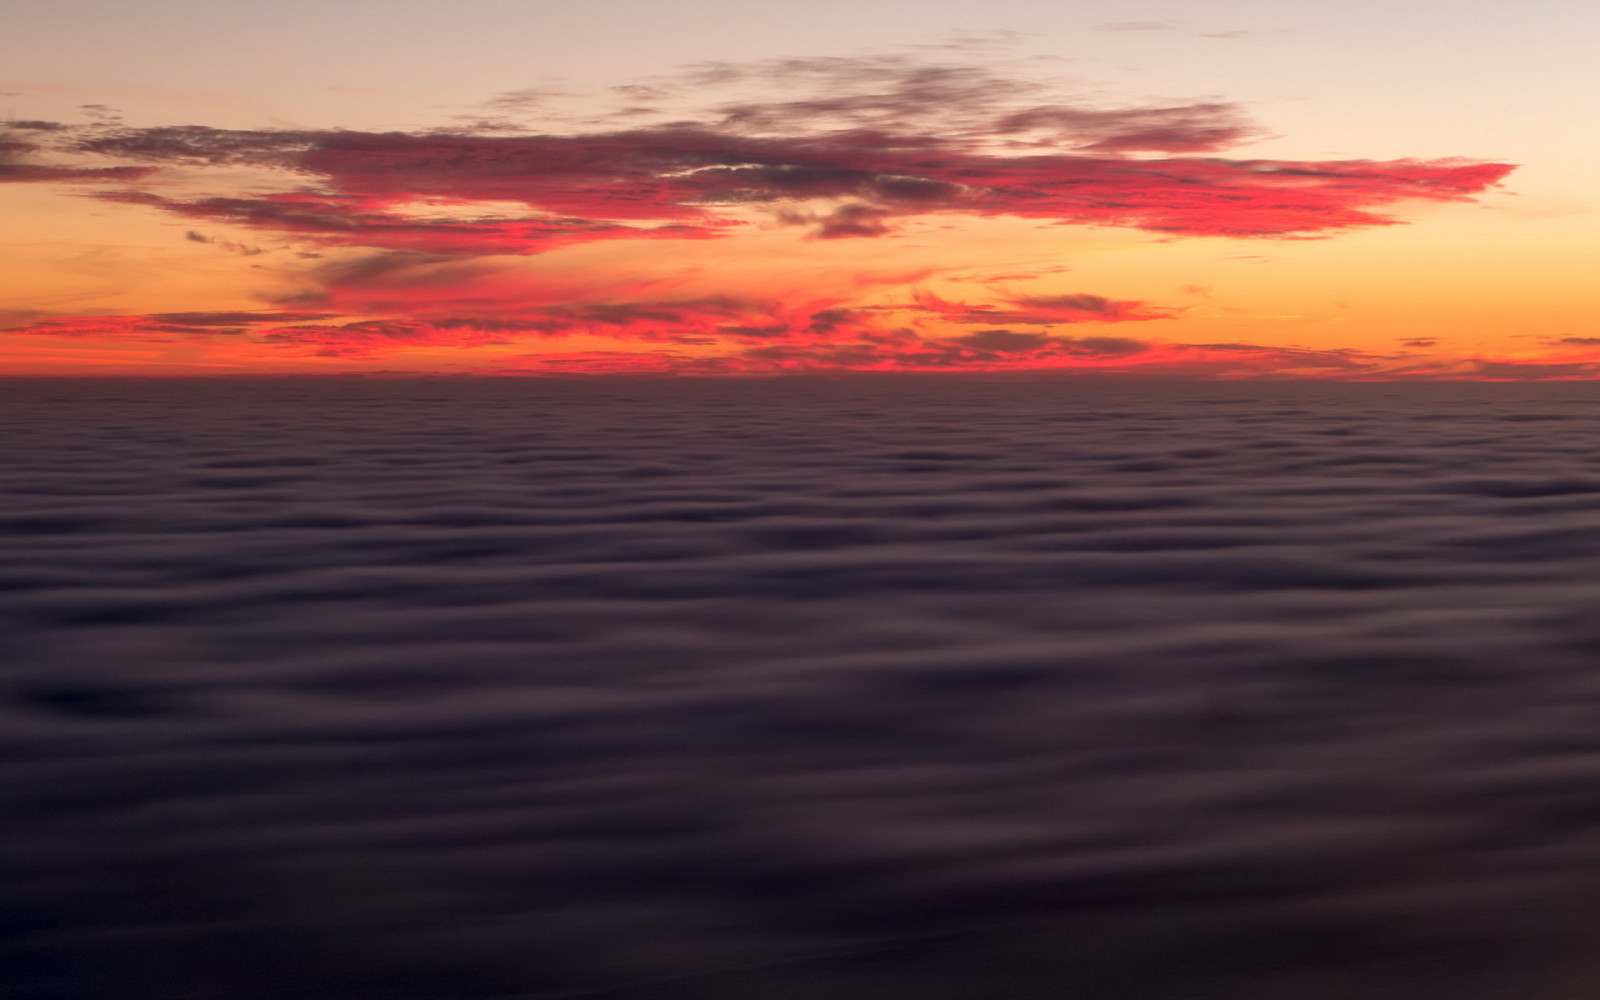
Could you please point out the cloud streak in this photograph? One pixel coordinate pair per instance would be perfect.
(888, 136)
(601, 186)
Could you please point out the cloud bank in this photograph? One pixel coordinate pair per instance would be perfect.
(720, 690)
(845, 150)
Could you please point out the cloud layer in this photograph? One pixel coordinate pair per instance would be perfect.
(714, 690)
(870, 149)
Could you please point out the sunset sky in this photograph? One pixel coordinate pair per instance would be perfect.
(1235, 189)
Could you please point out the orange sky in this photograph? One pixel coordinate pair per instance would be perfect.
(922, 210)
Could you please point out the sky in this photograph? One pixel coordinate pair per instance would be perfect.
(1229, 190)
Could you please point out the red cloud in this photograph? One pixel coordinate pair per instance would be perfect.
(853, 148)
(372, 338)
(764, 339)
(595, 186)
(887, 137)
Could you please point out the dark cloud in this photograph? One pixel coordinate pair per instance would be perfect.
(853, 220)
(1101, 308)
(232, 318)
(101, 114)
(889, 136)
(21, 153)
(160, 326)
(366, 338)
(1002, 341)
(1194, 128)
(1235, 360)
(243, 250)
(829, 320)
(989, 343)
(129, 328)
(195, 145)
(12, 318)
(720, 690)
(1044, 310)
(1105, 346)
(340, 220)
(307, 332)
(649, 320)
(810, 332)
(1535, 370)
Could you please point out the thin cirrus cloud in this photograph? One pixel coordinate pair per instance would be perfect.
(420, 232)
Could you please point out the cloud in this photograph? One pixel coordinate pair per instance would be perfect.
(243, 250)
(883, 138)
(446, 237)
(1534, 370)
(941, 689)
(853, 220)
(39, 173)
(672, 185)
(992, 343)
(19, 150)
(1193, 128)
(373, 338)
(1002, 341)
(204, 319)
(157, 326)
(1041, 309)
(341, 220)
